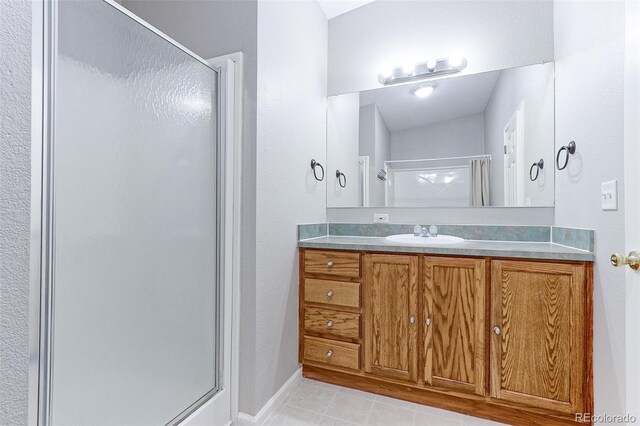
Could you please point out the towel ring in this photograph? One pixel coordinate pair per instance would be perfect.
(538, 166)
(341, 177)
(314, 163)
(570, 150)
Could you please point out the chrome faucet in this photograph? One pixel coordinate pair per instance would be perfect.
(422, 231)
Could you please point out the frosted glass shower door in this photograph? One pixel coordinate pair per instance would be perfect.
(134, 223)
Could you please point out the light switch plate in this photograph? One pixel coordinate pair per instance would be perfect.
(609, 195)
(380, 218)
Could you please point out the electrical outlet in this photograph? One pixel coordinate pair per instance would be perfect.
(609, 194)
(380, 218)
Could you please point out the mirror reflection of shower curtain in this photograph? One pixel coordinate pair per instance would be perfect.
(479, 184)
(135, 320)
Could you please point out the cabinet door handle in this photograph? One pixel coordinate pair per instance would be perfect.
(330, 293)
(427, 322)
(329, 323)
(496, 330)
(412, 319)
(329, 353)
(330, 263)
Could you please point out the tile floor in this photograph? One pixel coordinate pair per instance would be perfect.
(313, 403)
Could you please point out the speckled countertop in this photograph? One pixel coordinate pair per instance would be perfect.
(509, 249)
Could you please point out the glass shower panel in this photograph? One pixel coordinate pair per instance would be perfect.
(134, 222)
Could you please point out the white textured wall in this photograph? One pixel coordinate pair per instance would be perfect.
(490, 34)
(535, 87)
(590, 110)
(452, 138)
(343, 118)
(291, 128)
(15, 173)
(211, 29)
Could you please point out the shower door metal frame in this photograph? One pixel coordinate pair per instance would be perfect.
(44, 36)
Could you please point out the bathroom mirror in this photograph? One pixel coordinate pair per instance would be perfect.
(472, 140)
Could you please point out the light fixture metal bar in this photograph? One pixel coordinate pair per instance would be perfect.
(422, 71)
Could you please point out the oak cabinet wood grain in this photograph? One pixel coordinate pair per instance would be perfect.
(332, 353)
(330, 292)
(330, 322)
(538, 339)
(391, 311)
(454, 323)
(335, 263)
(505, 339)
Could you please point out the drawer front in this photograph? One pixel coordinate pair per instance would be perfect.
(332, 263)
(332, 292)
(330, 352)
(327, 321)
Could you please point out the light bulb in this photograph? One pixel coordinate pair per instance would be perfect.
(456, 60)
(423, 91)
(409, 69)
(386, 72)
(431, 64)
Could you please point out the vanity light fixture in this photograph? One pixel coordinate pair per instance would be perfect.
(424, 70)
(423, 90)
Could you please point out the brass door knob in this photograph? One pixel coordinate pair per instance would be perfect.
(633, 260)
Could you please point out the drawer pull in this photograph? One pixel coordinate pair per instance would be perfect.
(412, 320)
(330, 293)
(329, 323)
(427, 322)
(496, 330)
(330, 263)
(329, 353)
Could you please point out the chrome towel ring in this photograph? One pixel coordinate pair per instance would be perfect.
(315, 164)
(570, 150)
(537, 166)
(341, 178)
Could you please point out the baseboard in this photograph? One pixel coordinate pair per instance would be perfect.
(273, 403)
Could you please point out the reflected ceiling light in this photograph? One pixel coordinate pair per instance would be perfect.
(423, 90)
(422, 71)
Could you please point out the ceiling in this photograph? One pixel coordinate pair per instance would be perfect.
(333, 8)
(452, 98)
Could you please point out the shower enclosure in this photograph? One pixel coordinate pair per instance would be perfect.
(130, 249)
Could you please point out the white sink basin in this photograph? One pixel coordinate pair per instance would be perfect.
(424, 241)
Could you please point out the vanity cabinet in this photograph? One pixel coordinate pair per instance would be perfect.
(454, 323)
(538, 334)
(504, 339)
(391, 312)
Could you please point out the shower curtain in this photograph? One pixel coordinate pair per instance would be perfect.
(479, 171)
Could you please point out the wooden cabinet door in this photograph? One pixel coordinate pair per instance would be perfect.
(538, 334)
(391, 312)
(454, 323)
